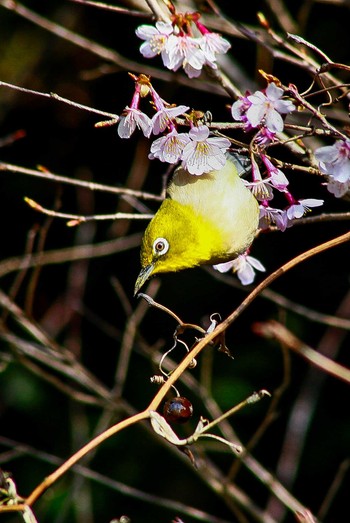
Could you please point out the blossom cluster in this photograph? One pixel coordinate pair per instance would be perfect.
(177, 46)
(263, 110)
(197, 150)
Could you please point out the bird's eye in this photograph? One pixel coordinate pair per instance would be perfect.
(160, 246)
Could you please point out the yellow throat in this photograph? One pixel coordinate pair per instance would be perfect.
(205, 219)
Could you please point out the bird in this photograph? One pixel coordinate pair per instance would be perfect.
(203, 220)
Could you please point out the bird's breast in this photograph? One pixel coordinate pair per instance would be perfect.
(221, 198)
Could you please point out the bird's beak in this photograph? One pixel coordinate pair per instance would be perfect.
(145, 273)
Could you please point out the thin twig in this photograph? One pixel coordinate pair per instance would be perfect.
(161, 307)
(92, 186)
(315, 112)
(241, 308)
(60, 99)
(79, 252)
(50, 480)
(77, 219)
(158, 10)
(127, 343)
(286, 303)
(282, 15)
(16, 285)
(114, 8)
(336, 483)
(273, 329)
(324, 217)
(34, 278)
(304, 409)
(113, 484)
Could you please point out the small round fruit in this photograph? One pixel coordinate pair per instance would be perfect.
(178, 410)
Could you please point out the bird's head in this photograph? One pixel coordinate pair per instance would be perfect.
(175, 239)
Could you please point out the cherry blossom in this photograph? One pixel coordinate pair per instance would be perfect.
(185, 51)
(239, 110)
(179, 48)
(277, 178)
(243, 266)
(334, 160)
(260, 188)
(164, 117)
(299, 208)
(264, 136)
(337, 188)
(269, 216)
(198, 156)
(203, 153)
(132, 118)
(169, 148)
(156, 39)
(263, 108)
(212, 44)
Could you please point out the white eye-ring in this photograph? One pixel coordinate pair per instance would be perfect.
(160, 246)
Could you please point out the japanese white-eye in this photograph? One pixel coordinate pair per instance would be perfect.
(204, 220)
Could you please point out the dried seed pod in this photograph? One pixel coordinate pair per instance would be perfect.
(158, 380)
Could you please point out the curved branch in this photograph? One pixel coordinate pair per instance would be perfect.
(281, 493)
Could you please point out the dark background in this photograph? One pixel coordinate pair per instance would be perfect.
(63, 140)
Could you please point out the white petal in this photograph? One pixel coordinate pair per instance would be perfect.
(236, 110)
(147, 51)
(195, 57)
(273, 92)
(126, 127)
(284, 106)
(146, 32)
(255, 114)
(224, 267)
(199, 134)
(254, 262)
(217, 162)
(342, 172)
(257, 98)
(246, 275)
(327, 154)
(222, 143)
(144, 123)
(295, 211)
(164, 28)
(191, 71)
(274, 121)
(311, 202)
(337, 188)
